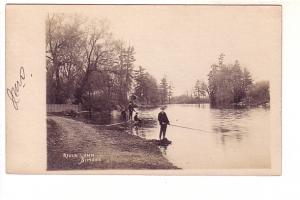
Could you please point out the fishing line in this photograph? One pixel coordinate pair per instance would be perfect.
(196, 129)
(142, 114)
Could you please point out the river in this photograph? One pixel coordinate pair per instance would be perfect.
(220, 138)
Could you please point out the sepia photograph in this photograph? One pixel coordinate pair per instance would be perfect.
(143, 89)
(160, 87)
(160, 99)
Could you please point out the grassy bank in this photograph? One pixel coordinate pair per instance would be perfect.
(76, 145)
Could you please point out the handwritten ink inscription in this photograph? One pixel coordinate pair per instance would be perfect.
(14, 92)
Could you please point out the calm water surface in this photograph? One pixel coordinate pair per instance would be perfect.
(227, 138)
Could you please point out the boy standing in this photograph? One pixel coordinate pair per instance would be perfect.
(163, 122)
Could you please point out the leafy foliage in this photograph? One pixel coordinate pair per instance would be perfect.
(230, 85)
(86, 65)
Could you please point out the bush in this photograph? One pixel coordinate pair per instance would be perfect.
(259, 93)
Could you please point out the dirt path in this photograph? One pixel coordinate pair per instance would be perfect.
(76, 145)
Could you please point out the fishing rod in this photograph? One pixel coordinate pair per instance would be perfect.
(196, 129)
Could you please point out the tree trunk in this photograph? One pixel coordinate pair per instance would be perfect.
(57, 89)
(80, 91)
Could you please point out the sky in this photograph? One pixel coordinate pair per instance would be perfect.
(182, 42)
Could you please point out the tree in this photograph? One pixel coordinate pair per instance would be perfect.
(63, 39)
(170, 92)
(85, 64)
(236, 79)
(200, 90)
(247, 80)
(197, 90)
(163, 90)
(140, 83)
(153, 91)
(96, 54)
(228, 84)
(146, 88)
(221, 59)
(203, 89)
(124, 65)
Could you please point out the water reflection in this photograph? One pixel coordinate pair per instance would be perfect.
(138, 131)
(229, 137)
(101, 117)
(142, 129)
(220, 138)
(230, 124)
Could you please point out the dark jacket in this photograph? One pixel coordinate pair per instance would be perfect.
(136, 118)
(130, 108)
(163, 118)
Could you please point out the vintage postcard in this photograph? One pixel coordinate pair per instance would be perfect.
(143, 89)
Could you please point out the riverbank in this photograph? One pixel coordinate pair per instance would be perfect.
(73, 144)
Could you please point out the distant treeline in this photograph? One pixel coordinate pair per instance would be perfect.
(189, 99)
(198, 95)
(87, 65)
(228, 86)
(232, 85)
